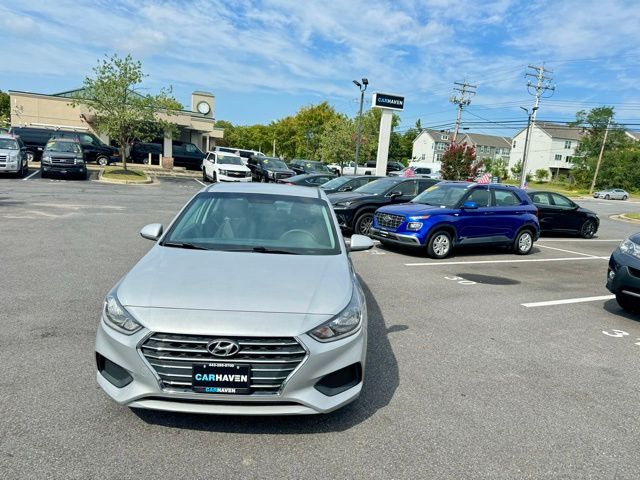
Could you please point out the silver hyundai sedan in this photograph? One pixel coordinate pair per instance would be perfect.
(247, 304)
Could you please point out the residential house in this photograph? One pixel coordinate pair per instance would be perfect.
(635, 136)
(552, 146)
(488, 146)
(430, 144)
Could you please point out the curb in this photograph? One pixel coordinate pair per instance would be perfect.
(148, 180)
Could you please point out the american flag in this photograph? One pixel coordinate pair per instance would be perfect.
(408, 172)
(486, 178)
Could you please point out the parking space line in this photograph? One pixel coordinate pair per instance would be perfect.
(565, 251)
(29, 176)
(478, 262)
(201, 183)
(567, 301)
(545, 240)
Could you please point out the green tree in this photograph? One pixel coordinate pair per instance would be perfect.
(516, 170)
(459, 162)
(121, 111)
(5, 108)
(337, 142)
(542, 174)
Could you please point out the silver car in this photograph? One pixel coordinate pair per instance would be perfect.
(612, 193)
(13, 155)
(247, 304)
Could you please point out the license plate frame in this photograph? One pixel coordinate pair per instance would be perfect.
(221, 378)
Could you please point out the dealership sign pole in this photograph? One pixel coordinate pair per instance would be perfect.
(388, 104)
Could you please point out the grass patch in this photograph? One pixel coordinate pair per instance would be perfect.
(119, 173)
(633, 216)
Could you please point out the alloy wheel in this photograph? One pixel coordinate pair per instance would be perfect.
(525, 242)
(441, 245)
(365, 224)
(588, 229)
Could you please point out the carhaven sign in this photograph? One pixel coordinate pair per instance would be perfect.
(384, 100)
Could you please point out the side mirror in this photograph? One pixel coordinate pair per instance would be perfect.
(346, 189)
(153, 231)
(395, 194)
(469, 205)
(360, 243)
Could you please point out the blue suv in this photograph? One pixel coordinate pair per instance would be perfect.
(452, 214)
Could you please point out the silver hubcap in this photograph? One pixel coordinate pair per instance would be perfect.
(365, 225)
(441, 245)
(525, 242)
(102, 161)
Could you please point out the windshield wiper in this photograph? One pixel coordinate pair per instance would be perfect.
(189, 246)
(262, 249)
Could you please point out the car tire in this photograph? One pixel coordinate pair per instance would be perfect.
(102, 161)
(628, 303)
(523, 244)
(439, 245)
(588, 229)
(205, 179)
(263, 179)
(624, 197)
(42, 173)
(607, 197)
(363, 223)
(215, 177)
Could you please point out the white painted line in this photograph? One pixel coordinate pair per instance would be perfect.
(28, 177)
(579, 240)
(568, 300)
(566, 251)
(201, 183)
(476, 262)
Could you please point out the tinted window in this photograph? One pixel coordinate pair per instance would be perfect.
(274, 164)
(241, 221)
(64, 147)
(378, 187)
(442, 195)
(338, 182)
(408, 189)
(505, 198)
(479, 195)
(561, 201)
(8, 144)
(229, 160)
(540, 198)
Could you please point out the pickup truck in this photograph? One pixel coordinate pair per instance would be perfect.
(349, 169)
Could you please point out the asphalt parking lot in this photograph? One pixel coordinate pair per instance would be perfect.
(484, 365)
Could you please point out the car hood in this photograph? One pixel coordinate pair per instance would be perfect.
(175, 278)
(348, 197)
(233, 168)
(586, 211)
(413, 209)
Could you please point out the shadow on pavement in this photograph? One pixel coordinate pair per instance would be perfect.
(381, 381)
(612, 306)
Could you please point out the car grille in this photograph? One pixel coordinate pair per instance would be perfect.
(389, 221)
(3, 158)
(283, 175)
(231, 173)
(62, 160)
(272, 360)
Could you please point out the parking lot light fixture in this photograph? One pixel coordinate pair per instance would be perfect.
(362, 86)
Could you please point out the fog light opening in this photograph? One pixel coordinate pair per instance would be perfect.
(340, 380)
(114, 373)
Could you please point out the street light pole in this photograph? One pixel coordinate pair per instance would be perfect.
(523, 173)
(362, 86)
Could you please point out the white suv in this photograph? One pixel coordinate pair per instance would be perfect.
(223, 167)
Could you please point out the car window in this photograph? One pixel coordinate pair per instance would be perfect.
(8, 144)
(442, 195)
(408, 189)
(424, 184)
(229, 160)
(505, 198)
(190, 148)
(338, 182)
(64, 147)
(245, 221)
(423, 171)
(560, 201)
(480, 196)
(319, 180)
(541, 198)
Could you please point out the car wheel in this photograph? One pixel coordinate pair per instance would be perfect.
(364, 223)
(215, 177)
(439, 245)
(628, 303)
(42, 173)
(523, 243)
(204, 176)
(624, 197)
(607, 197)
(263, 179)
(102, 161)
(588, 229)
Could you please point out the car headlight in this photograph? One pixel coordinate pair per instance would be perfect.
(222, 172)
(272, 175)
(346, 323)
(46, 158)
(78, 161)
(342, 204)
(117, 317)
(247, 173)
(630, 247)
(414, 226)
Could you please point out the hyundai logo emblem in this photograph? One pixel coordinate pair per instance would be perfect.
(221, 347)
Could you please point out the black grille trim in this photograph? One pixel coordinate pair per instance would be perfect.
(389, 221)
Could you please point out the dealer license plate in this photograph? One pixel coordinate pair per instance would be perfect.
(227, 378)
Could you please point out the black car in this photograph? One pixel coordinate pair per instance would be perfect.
(140, 151)
(63, 156)
(623, 276)
(394, 167)
(308, 179)
(355, 209)
(184, 154)
(558, 214)
(94, 149)
(268, 169)
(347, 183)
(301, 166)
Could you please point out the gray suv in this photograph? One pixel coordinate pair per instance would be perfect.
(13, 155)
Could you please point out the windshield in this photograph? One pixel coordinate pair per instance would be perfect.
(335, 183)
(274, 164)
(65, 147)
(230, 160)
(442, 195)
(377, 187)
(316, 167)
(255, 223)
(8, 144)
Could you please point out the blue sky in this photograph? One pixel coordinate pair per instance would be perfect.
(265, 59)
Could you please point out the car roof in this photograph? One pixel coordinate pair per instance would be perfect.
(264, 188)
(8, 136)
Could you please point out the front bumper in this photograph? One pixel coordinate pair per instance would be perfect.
(296, 396)
(396, 238)
(626, 274)
(10, 167)
(70, 169)
(226, 178)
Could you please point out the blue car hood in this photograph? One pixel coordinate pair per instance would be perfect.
(414, 209)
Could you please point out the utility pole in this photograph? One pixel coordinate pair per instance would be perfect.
(595, 175)
(542, 84)
(273, 152)
(362, 86)
(462, 98)
(523, 176)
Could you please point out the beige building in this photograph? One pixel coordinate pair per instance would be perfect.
(196, 126)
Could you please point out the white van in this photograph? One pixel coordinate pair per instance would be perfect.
(242, 153)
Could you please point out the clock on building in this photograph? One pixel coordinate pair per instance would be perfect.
(203, 108)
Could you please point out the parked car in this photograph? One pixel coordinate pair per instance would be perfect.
(452, 214)
(367, 169)
(559, 214)
(355, 209)
(242, 152)
(63, 156)
(308, 179)
(308, 166)
(94, 149)
(347, 184)
(184, 154)
(224, 167)
(139, 152)
(612, 193)
(623, 275)
(394, 167)
(163, 344)
(268, 169)
(13, 155)
(417, 171)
